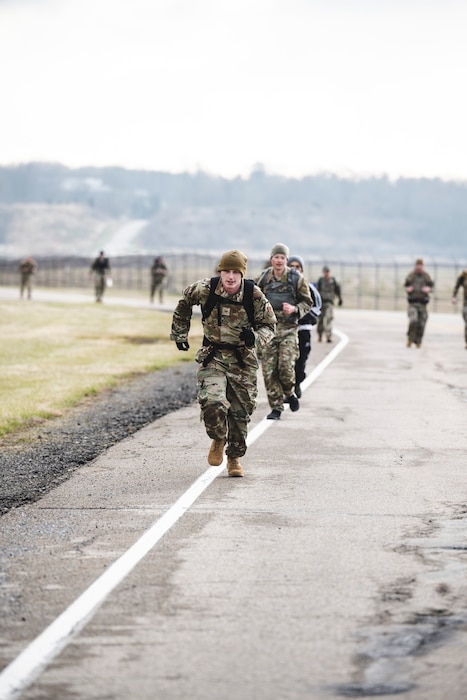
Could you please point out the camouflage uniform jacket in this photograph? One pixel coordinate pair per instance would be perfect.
(158, 271)
(233, 318)
(329, 288)
(100, 266)
(27, 267)
(299, 295)
(461, 282)
(418, 280)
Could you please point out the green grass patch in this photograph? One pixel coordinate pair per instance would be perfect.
(53, 355)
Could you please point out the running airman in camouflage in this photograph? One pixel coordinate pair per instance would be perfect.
(462, 282)
(27, 269)
(228, 363)
(100, 267)
(289, 295)
(418, 285)
(330, 290)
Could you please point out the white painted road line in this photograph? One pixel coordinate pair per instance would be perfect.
(28, 666)
(319, 369)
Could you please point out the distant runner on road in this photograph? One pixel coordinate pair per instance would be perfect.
(100, 267)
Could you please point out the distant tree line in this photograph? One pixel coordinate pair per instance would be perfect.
(320, 213)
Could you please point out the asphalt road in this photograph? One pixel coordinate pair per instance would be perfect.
(335, 568)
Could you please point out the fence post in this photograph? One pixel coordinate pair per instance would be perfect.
(396, 286)
(359, 285)
(377, 290)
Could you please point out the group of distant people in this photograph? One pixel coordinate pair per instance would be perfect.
(268, 319)
(100, 267)
(419, 285)
(100, 271)
(325, 293)
(244, 321)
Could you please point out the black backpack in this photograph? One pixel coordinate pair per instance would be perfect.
(216, 300)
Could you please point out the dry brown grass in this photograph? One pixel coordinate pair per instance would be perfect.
(52, 355)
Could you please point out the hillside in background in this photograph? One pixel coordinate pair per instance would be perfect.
(50, 209)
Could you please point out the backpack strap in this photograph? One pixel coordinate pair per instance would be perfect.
(248, 288)
(261, 278)
(292, 279)
(212, 299)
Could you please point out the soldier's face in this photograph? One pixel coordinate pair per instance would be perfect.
(278, 263)
(231, 280)
(296, 265)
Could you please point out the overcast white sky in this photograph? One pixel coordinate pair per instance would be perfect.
(347, 86)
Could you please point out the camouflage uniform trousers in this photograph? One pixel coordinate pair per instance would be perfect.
(99, 285)
(157, 285)
(418, 316)
(227, 396)
(464, 316)
(26, 284)
(326, 319)
(278, 365)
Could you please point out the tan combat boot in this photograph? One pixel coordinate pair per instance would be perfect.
(234, 467)
(216, 453)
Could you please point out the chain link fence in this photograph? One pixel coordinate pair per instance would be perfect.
(365, 285)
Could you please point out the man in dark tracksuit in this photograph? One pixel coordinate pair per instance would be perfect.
(305, 324)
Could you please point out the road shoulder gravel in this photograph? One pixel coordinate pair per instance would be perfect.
(47, 454)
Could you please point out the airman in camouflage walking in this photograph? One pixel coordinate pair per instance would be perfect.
(330, 290)
(100, 268)
(158, 278)
(27, 269)
(289, 294)
(418, 285)
(236, 316)
(462, 282)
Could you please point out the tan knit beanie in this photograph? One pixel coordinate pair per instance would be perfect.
(233, 260)
(280, 249)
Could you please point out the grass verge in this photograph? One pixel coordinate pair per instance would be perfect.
(53, 355)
